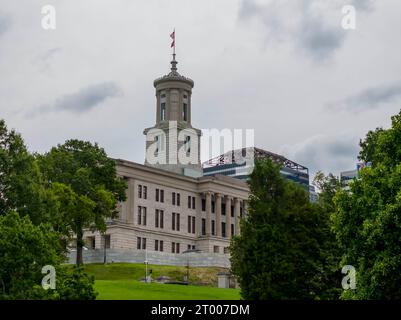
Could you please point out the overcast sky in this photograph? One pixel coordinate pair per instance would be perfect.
(287, 69)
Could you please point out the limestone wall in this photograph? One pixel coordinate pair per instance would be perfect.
(203, 259)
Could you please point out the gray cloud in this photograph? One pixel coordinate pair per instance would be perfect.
(324, 152)
(83, 100)
(314, 30)
(363, 5)
(370, 98)
(4, 23)
(319, 39)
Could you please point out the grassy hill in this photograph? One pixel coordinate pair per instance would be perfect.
(121, 281)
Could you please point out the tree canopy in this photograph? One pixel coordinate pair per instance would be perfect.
(85, 186)
(368, 217)
(279, 253)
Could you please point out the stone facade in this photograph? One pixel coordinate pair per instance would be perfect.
(213, 204)
(172, 208)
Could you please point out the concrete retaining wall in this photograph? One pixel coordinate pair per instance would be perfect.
(201, 259)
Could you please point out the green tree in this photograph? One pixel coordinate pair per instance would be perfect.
(20, 179)
(368, 217)
(24, 250)
(330, 277)
(75, 285)
(278, 254)
(85, 185)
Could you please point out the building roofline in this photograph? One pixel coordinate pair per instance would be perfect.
(218, 178)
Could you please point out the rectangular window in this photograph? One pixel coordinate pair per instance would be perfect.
(223, 209)
(173, 199)
(107, 241)
(213, 228)
(161, 219)
(91, 242)
(213, 205)
(144, 216)
(156, 245)
(177, 249)
(156, 218)
(223, 229)
(185, 112)
(161, 195)
(193, 203)
(188, 144)
(162, 111)
(232, 229)
(173, 247)
(189, 202)
(173, 221)
(189, 247)
(157, 195)
(139, 191)
(161, 245)
(139, 215)
(232, 211)
(216, 249)
(203, 204)
(138, 243)
(189, 224)
(178, 199)
(143, 243)
(178, 222)
(203, 226)
(193, 247)
(193, 224)
(145, 192)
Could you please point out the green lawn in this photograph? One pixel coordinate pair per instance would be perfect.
(121, 281)
(135, 290)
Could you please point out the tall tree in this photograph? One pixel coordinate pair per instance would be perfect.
(21, 187)
(85, 183)
(330, 278)
(25, 249)
(368, 217)
(278, 254)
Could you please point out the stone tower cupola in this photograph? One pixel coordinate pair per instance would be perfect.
(173, 110)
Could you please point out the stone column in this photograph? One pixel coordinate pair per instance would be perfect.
(168, 104)
(157, 106)
(228, 217)
(208, 213)
(180, 105)
(218, 214)
(237, 213)
(189, 107)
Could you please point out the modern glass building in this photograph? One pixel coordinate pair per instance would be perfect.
(239, 164)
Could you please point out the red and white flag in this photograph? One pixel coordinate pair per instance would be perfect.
(172, 36)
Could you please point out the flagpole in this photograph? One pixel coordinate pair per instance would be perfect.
(174, 44)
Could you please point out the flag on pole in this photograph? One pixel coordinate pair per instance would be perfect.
(172, 36)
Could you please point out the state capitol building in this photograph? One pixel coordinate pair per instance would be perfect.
(173, 208)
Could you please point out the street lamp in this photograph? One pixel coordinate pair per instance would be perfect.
(146, 265)
(189, 251)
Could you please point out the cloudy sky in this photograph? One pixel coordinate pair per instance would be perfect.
(287, 69)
